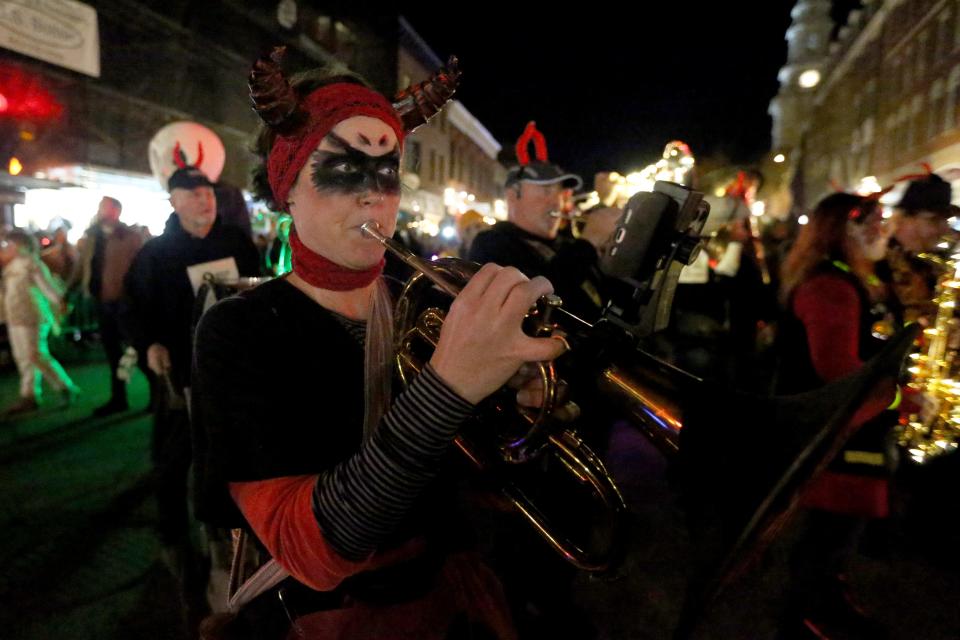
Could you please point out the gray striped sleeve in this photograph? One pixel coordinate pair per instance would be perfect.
(359, 502)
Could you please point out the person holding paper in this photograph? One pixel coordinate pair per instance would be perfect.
(160, 317)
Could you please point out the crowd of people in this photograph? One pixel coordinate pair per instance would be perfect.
(349, 513)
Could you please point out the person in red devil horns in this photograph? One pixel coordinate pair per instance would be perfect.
(338, 479)
(536, 194)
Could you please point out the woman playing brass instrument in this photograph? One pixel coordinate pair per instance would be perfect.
(338, 478)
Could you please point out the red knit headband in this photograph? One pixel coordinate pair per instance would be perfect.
(325, 107)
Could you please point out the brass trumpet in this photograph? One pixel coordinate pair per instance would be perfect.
(524, 435)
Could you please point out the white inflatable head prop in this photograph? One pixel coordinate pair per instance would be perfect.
(186, 144)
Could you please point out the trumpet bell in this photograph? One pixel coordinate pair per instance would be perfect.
(562, 471)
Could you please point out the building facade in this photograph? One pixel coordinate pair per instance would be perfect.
(887, 101)
(450, 162)
(808, 39)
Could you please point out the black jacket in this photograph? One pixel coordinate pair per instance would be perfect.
(161, 299)
(570, 265)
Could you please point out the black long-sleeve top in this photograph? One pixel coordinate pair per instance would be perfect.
(278, 407)
(571, 266)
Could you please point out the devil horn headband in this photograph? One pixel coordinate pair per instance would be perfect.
(180, 158)
(418, 103)
(278, 105)
(523, 143)
(273, 98)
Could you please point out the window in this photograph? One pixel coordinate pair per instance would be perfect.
(895, 77)
(908, 63)
(916, 117)
(942, 47)
(935, 119)
(411, 156)
(443, 169)
(921, 63)
(433, 165)
(906, 123)
(956, 30)
(885, 141)
(950, 108)
(890, 123)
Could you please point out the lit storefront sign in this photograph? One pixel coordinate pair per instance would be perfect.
(61, 32)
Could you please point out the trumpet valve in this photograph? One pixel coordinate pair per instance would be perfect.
(540, 318)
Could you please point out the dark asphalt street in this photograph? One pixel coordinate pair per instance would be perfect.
(81, 555)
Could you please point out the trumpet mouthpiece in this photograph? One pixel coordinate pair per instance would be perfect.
(371, 228)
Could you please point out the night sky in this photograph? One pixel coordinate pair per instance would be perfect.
(609, 90)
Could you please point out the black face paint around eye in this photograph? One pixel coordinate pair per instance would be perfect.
(352, 171)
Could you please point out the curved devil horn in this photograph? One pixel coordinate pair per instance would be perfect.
(178, 158)
(273, 98)
(418, 103)
(199, 154)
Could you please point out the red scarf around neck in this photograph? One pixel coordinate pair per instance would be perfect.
(325, 274)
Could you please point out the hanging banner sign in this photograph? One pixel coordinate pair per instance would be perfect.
(61, 32)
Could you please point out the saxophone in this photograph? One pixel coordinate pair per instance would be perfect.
(932, 429)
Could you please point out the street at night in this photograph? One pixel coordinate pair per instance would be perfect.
(421, 321)
(84, 560)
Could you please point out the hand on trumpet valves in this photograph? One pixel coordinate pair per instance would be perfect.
(482, 344)
(529, 386)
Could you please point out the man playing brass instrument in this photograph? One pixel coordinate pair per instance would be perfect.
(535, 194)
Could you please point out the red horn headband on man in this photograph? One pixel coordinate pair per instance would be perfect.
(523, 143)
(324, 108)
(180, 158)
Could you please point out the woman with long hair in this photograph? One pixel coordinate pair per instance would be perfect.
(836, 317)
(832, 296)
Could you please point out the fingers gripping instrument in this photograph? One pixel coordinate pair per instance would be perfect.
(509, 435)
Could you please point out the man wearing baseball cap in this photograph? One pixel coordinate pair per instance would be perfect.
(161, 290)
(536, 192)
(540, 594)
